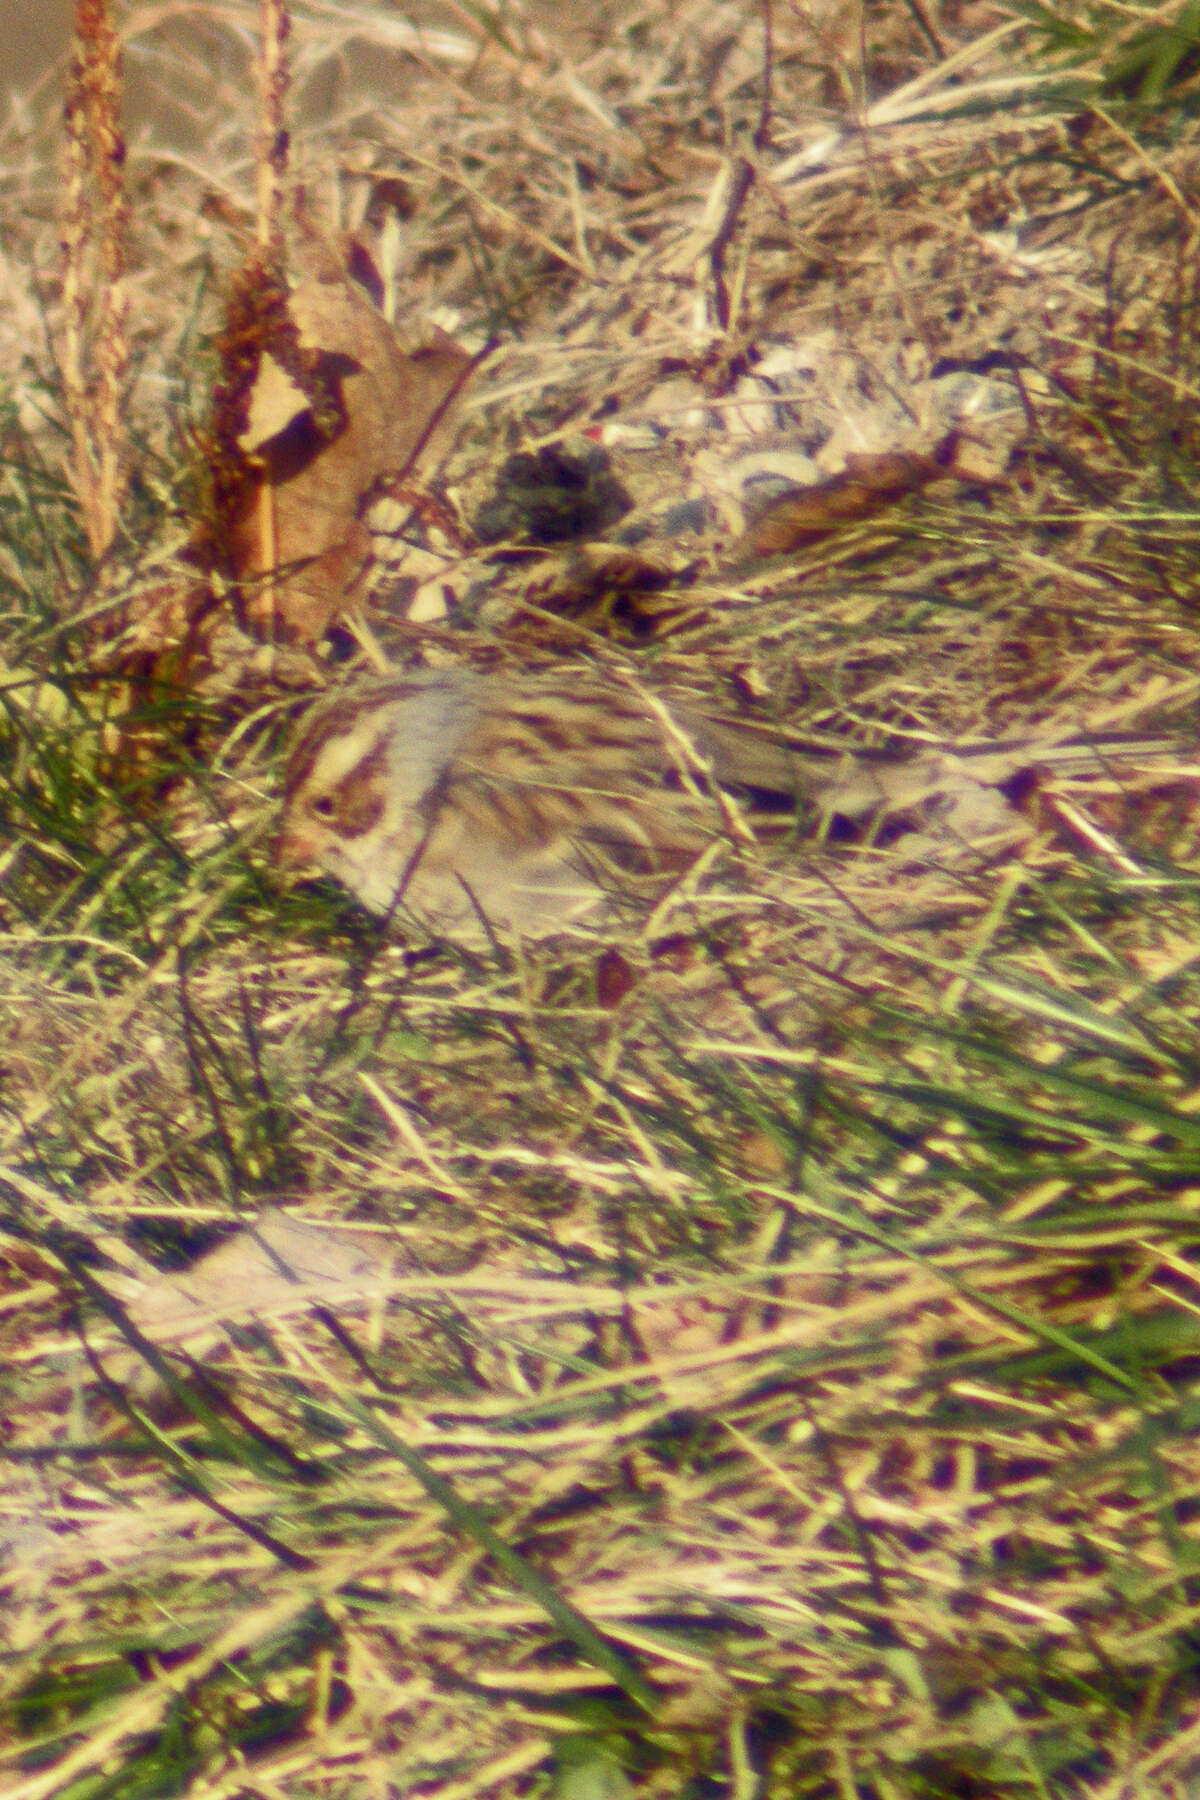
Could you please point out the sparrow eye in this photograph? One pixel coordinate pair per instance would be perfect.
(324, 808)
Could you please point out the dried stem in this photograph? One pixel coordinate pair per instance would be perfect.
(271, 160)
(95, 226)
(271, 149)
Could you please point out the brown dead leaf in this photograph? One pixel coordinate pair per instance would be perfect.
(323, 404)
(615, 590)
(615, 977)
(867, 485)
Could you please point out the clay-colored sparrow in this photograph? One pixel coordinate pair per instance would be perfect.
(531, 803)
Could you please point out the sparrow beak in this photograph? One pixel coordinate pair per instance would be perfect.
(296, 852)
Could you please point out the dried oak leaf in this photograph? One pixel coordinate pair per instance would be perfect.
(322, 405)
(866, 486)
